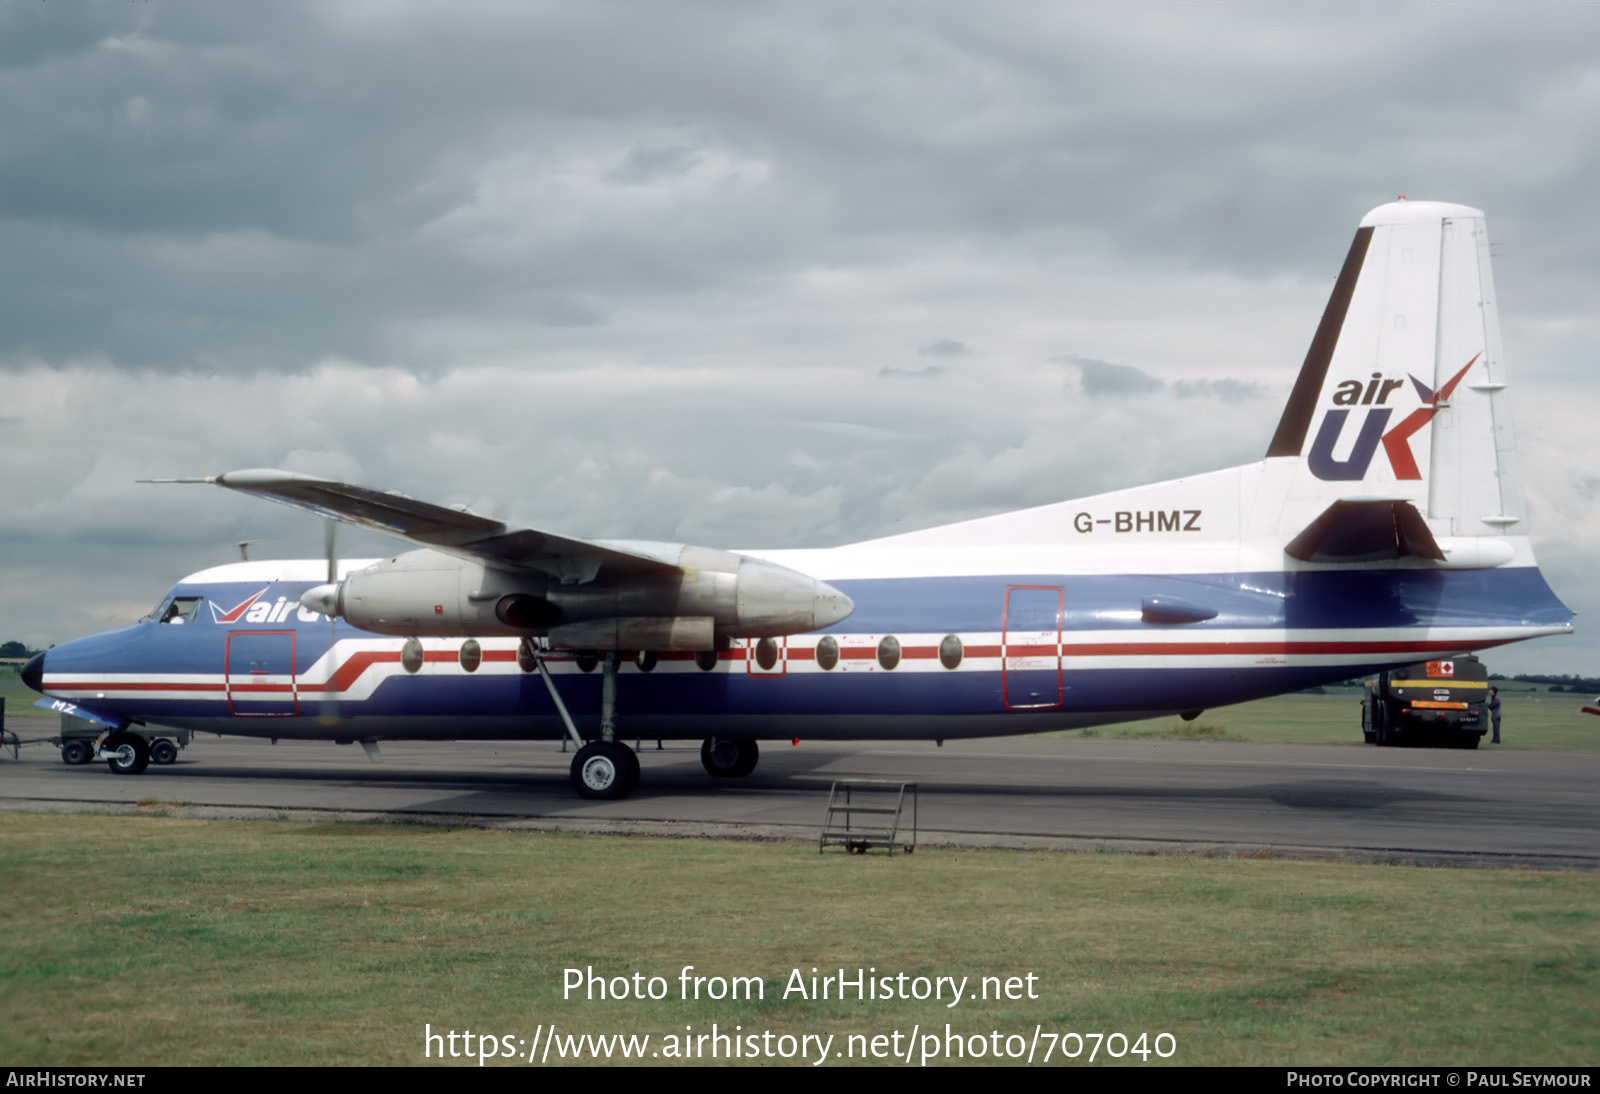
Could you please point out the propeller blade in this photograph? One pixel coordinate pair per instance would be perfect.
(330, 542)
(329, 714)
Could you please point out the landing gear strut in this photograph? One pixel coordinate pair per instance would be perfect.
(607, 768)
(729, 757)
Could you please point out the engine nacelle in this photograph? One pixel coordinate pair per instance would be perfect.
(694, 632)
(711, 594)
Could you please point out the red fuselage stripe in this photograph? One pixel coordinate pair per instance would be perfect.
(357, 663)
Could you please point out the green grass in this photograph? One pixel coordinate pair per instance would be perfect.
(138, 940)
(1536, 720)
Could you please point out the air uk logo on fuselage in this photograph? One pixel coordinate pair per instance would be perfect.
(220, 614)
(254, 610)
(1396, 442)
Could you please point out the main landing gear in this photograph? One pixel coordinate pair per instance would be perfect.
(729, 757)
(609, 769)
(603, 769)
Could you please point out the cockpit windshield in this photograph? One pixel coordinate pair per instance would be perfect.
(180, 610)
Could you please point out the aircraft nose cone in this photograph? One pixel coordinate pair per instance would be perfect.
(33, 673)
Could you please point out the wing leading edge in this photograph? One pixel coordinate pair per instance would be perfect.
(451, 531)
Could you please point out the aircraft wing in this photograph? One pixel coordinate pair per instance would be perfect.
(451, 531)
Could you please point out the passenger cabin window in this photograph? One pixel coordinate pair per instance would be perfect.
(827, 653)
(411, 655)
(767, 653)
(889, 652)
(181, 610)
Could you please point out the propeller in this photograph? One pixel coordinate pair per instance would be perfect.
(324, 598)
(328, 603)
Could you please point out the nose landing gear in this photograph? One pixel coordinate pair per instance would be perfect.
(125, 753)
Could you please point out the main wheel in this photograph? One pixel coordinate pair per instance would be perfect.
(76, 752)
(163, 751)
(728, 757)
(605, 769)
(126, 754)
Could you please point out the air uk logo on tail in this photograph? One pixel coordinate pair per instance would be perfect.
(1396, 442)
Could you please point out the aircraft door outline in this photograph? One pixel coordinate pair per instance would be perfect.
(1030, 647)
(256, 671)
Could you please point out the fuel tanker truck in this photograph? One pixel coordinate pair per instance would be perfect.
(1439, 703)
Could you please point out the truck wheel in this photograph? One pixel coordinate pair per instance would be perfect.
(76, 752)
(163, 751)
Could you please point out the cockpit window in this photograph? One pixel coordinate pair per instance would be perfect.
(181, 610)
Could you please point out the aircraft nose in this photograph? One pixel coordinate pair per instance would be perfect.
(33, 673)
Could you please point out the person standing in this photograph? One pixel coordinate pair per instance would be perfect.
(1494, 714)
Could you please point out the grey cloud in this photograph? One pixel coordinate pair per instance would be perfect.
(1101, 378)
(1229, 391)
(155, 150)
(944, 347)
(646, 164)
(1586, 486)
(925, 371)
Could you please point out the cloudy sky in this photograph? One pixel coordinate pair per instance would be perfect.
(736, 273)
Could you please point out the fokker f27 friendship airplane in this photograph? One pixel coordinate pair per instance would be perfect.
(1386, 525)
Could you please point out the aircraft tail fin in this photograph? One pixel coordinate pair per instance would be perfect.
(1400, 411)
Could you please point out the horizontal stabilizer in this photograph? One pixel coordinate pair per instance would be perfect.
(1366, 531)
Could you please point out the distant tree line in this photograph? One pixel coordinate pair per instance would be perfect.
(1557, 683)
(16, 649)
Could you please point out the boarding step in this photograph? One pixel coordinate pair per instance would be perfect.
(850, 798)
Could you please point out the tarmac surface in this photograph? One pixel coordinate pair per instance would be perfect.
(1485, 807)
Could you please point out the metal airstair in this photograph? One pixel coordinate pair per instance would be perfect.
(882, 802)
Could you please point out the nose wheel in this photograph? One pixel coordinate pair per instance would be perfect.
(605, 770)
(126, 754)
